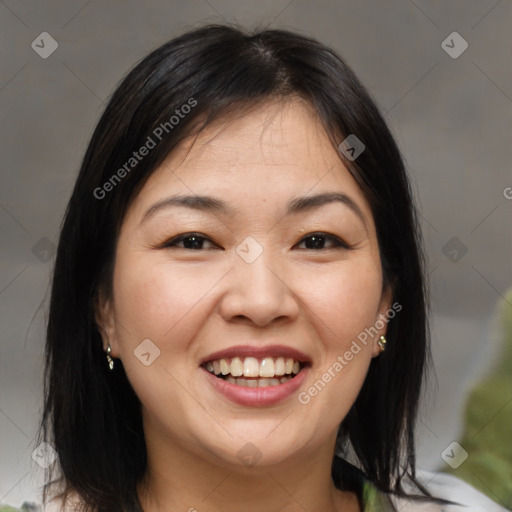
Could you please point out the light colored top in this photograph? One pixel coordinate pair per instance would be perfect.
(440, 485)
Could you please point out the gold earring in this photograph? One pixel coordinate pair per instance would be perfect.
(109, 359)
(382, 343)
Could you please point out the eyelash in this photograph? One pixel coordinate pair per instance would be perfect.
(338, 242)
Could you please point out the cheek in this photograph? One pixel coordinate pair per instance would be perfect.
(157, 301)
(165, 304)
(346, 300)
(343, 304)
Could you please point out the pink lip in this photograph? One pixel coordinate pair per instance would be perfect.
(258, 352)
(257, 397)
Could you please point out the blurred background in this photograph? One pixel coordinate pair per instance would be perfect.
(439, 71)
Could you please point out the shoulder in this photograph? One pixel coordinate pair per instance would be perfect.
(463, 496)
(448, 487)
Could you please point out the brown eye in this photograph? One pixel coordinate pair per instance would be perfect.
(191, 241)
(317, 241)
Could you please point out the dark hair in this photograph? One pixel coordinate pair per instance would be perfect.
(92, 416)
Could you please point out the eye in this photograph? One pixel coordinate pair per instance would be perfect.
(317, 241)
(196, 241)
(193, 241)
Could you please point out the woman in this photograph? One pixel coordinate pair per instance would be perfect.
(238, 313)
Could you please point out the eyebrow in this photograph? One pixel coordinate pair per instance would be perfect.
(214, 205)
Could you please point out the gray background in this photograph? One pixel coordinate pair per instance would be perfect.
(451, 118)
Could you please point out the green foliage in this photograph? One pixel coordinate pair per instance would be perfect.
(488, 418)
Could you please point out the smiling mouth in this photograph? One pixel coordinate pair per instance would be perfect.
(254, 372)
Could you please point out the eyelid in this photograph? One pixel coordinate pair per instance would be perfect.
(167, 244)
(338, 241)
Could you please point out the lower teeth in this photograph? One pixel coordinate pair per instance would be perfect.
(256, 383)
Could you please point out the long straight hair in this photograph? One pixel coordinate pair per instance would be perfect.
(92, 416)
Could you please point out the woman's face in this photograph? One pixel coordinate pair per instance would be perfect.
(265, 281)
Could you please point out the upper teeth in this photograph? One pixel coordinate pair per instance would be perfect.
(252, 367)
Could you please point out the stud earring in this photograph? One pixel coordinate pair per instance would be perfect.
(382, 343)
(109, 359)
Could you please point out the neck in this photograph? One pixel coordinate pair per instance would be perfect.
(178, 479)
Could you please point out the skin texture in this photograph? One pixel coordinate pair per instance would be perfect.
(192, 302)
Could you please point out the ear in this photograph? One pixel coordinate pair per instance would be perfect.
(105, 320)
(382, 318)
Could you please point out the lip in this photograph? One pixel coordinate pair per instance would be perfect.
(258, 352)
(256, 397)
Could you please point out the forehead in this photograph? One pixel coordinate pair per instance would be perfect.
(280, 133)
(274, 152)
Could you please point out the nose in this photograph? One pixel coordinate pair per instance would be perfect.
(259, 293)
